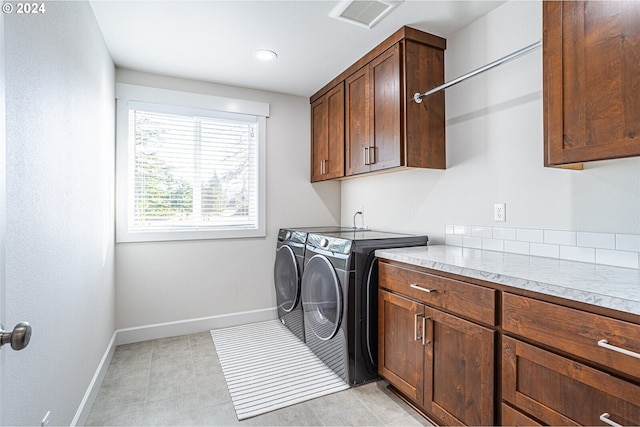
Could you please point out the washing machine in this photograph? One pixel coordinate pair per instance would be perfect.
(340, 298)
(287, 273)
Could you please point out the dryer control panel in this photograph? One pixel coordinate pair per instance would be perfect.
(328, 243)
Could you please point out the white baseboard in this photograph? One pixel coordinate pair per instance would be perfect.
(162, 330)
(192, 326)
(82, 414)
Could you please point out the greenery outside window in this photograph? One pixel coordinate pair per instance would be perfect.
(187, 172)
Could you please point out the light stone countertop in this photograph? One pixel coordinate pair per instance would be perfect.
(611, 287)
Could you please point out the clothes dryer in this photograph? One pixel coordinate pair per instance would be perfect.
(340, 298)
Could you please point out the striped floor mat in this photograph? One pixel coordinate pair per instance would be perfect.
(267, 368)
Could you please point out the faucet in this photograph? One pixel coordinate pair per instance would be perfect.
(354, 221)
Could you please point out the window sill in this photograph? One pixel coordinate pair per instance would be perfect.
(169, 236)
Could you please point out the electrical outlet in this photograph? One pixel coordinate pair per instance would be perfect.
(500, 212)
(46, 420)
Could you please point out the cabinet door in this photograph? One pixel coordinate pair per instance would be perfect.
(560, 391)
(386, 90)
(358, 122)
(327, 135)
(459, 370)
(400, 350)
(334, 166)
(591, 58)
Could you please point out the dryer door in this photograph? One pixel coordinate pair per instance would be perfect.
(287, 279)
(321, 297)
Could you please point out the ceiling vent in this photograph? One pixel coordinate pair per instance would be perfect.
(365, 13)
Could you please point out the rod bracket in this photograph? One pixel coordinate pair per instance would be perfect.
(417, 98)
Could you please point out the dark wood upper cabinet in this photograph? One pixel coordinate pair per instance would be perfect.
(387, 105)
(383, 127)
(358, 135)
(591, 69)
(373, 112)
(327, 135)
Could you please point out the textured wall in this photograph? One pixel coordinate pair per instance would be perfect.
(59, 247)
(495, 151)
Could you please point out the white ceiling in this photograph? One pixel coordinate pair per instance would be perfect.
(214, 40)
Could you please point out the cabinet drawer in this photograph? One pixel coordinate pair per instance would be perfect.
(470, 301)
(560, 391)
(574, 331)
(513, 417)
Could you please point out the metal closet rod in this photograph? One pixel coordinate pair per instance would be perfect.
(418, 96)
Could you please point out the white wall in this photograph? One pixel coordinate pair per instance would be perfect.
(173, 281)
(3, 211)
(59, 247)
(495, 151)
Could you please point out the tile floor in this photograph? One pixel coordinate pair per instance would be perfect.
(179, 381)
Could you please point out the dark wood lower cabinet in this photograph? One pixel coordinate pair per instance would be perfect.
(400, 354)
(458, 366)
(465, 353)
(444, 364)
(560, 391)
(515, 418)
(539, 321)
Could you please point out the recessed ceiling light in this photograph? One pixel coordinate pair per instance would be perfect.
(265, 55)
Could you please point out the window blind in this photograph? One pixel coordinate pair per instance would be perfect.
(195, 170)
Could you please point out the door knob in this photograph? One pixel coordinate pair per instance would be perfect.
(19, 338)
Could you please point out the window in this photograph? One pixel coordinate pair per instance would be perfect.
(189, 166)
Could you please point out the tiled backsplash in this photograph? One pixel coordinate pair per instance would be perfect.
(620, 250)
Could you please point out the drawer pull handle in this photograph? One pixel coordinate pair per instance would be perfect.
(605, 344)
(424, 329)
(427, 330)
(420, 288)
(415, 327)
(605, 418)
